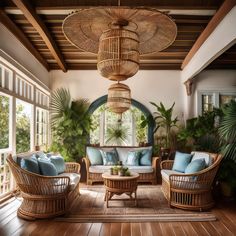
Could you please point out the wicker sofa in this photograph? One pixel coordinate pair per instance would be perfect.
(44, 196)
(190, 191)
(147, 174)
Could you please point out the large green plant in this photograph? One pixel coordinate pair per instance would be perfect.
(227, 133)
(163, 118)
(202, 132)
(70, 124)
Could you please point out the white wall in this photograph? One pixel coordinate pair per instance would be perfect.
(210, 80)
(157, 86)
(14, 52)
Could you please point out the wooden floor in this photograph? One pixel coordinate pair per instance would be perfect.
(10, 225)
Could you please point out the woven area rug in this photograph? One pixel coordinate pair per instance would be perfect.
(152, 206)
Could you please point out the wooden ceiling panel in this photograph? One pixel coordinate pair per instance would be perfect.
(166, 4)
(52, 14)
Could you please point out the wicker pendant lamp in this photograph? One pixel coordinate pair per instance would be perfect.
(119, 35)
(119, 98)
(118, 53)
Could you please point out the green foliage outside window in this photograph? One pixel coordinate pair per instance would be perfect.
(116, 131)
(22, 129)
(4, 122)
(22, 126)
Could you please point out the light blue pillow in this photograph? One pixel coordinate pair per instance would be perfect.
(146, 157)
(30, 164)
(202, 155)
(46, 167)
(181, 161)
(94, 156)
(59, 163)
(195, 166)
(133, 158)
(109, 157)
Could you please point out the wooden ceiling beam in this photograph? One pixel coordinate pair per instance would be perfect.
(92, 66)
(214, 22)
(13, 28)
(41, 28)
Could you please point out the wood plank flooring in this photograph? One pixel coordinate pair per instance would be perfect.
(11, 225)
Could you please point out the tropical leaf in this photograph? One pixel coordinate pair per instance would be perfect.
(60, 104)
(227, 131)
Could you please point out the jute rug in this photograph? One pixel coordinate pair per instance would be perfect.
(152, 206)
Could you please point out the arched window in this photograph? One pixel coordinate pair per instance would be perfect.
(110, 129)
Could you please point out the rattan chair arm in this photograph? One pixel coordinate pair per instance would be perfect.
(87, 163)
(72, 167)
(167, 164)
(155, 161)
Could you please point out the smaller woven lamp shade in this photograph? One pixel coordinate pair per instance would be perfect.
(118, 54)
(119, 98)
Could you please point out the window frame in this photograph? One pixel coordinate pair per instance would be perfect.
(46, 124)
(215, 97)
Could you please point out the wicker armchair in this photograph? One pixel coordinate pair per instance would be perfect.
(44, 196)
(190, 191)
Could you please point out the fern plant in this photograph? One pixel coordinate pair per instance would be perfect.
(117, 134)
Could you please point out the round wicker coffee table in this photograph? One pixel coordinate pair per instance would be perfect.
(117, 185)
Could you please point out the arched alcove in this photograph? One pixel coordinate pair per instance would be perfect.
(102, 100)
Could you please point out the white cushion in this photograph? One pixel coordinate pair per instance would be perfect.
(202, 155)
(74, 179)
(190, 183)
(99, 169)
(166, 173)
(139, 169)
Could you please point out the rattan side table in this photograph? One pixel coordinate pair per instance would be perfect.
(117, 185)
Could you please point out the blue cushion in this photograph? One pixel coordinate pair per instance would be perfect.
(146, 157)
(133, 158)
(46, 167)
(30, 164)
(181, 161)
(109, 157)
(195, 166)
(59, 163)
(17, 160)
(95, 156)
(202, 155)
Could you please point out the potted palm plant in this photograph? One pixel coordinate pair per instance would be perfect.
(164, 120)
(70, 123)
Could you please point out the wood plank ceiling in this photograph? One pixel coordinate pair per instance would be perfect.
(39, 23)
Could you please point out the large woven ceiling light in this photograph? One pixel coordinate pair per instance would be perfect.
(119, 35)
